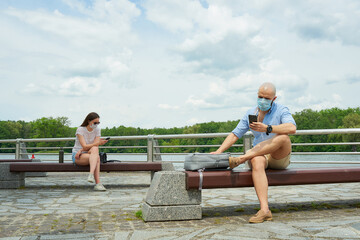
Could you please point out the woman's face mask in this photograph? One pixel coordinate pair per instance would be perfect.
(94, 124)
(264, 104)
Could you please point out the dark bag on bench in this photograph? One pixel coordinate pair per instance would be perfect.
(196, 161)
(103, 157)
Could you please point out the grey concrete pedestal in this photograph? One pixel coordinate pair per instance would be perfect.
(9, 179)
(168, 200)
(165, 166)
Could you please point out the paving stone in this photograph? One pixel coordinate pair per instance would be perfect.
(64, 206)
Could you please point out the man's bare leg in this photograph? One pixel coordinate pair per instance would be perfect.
(260, 181)
(278, 146)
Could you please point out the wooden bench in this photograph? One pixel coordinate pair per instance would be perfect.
(15, 160)
(177, 195)
(27, 174)
(70, 167)
(292, 176)
(12, 174)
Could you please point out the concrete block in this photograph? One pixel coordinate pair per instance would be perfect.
(6, 175)
(169, 188)
(166, 166)
(170, 213)
(12, 184)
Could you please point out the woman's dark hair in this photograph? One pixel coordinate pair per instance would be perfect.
(91, 116)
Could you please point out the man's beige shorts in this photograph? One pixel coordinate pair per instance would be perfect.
(272, 163)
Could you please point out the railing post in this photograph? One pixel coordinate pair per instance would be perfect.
(247, 142)
(61, 155)
(248, 138)
(18, 148)
(150, 148)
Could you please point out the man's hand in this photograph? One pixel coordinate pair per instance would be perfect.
(258, 126)
(216, 152)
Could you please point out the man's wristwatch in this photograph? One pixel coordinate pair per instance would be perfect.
(268, 129)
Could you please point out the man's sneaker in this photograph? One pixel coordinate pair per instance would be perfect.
(91, 178)
(260, 217)
(99, 187)
(232, 162)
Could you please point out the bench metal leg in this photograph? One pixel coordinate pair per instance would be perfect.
(167, 199)
(9, 179)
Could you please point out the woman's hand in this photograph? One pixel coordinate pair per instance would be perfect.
(77, 155)
(102, 141)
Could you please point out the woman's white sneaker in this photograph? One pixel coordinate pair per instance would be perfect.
(91, 178)
(99, 187)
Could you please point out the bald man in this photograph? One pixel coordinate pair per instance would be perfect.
(272, 145)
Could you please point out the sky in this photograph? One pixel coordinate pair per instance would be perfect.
(174, 63)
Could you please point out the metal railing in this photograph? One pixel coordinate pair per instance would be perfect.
(153, 150)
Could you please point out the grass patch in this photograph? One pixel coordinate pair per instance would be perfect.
(139, 215)
(275, 210)
(240, 210)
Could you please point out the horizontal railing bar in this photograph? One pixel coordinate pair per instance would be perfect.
(45, 148)
(195, 135)
(293, 153)
(325, 162)
(71, 154)
(327, 131)
(192, 146)
(325, 153)
(120, 147)
(324, 144)
(58, 148)
(169, 154)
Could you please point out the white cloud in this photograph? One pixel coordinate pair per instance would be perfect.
(168, 106)
(78, 86)
(215, 40)
(327, 20)
(72, 87)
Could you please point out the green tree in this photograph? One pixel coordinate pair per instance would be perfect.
(352, 120)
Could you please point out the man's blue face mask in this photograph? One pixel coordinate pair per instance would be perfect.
(264, 104)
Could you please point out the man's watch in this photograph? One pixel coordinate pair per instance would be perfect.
(268, 129)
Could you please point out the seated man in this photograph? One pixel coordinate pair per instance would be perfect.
(272, 145)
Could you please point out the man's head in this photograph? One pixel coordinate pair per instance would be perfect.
(266, 95)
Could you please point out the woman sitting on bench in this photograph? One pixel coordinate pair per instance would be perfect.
(86, 148)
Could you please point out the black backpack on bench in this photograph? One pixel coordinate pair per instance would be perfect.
(103, 158)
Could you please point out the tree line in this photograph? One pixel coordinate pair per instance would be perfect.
(49, 127)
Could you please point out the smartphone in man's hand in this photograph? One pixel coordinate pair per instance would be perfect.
(252, 118)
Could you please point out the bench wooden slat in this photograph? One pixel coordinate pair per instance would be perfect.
(69, 167)
(292, 176)
(15, 160)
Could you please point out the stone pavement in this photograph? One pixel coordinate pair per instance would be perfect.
(64, 206)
